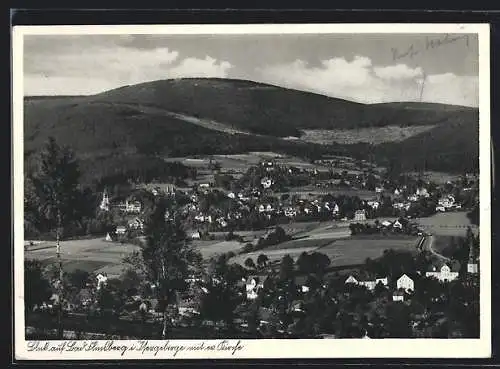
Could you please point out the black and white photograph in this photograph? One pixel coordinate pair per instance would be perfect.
(242, 191)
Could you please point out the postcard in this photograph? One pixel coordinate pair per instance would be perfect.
(252, 191)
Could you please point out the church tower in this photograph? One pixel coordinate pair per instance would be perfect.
(472, 264)
(105, 201)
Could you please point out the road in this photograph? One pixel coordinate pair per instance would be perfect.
(427, 245)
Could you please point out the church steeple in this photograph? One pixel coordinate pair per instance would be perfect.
(472, 264)
(105, 201)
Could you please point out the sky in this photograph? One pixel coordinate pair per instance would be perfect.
(367, 68)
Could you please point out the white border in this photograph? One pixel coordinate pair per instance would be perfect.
(339, 348)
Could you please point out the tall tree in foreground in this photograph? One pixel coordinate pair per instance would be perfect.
(55, 183)
(168, 259)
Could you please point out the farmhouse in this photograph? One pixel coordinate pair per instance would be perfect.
(405, 283)
(360, 215)
(444, 274)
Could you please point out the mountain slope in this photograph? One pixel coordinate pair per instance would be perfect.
(204, 116)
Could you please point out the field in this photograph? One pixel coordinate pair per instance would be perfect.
(91, 255)
(209, 248)
(354, 251)
(374, 135)
(447, 224)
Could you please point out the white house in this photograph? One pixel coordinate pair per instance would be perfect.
(379, 189)
(422, 192)
(397, 224)
(102, 279)
(133, 206)
(447, 201)
(121, 230)
(253, 285)
(231, 195)
(360, 215)
(195, 235)
(373, 204)
(384, 281)
(398, 296)
(108, 237)
(266, 182)
(444, 274)
(351, 279)
(405, 283)
(370, 285)
(440, 208)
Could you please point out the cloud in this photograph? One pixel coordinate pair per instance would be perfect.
(359, 80)
(397, 72)
(208, 67)
(98, 69)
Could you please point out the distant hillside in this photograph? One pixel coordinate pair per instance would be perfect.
(204, 116)
(272, 110)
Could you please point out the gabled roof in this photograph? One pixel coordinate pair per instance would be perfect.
(258, 278)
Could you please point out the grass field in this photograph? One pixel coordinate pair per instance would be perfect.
(210, 249)
(447, 224)
(353, 251)
(91, 255)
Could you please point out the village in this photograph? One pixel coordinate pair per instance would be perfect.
(271, 243)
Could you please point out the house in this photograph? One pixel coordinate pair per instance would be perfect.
(440, 208)
(204, 185)
(254, 284)
(373, 204)
(370, 285)
(351, 279)
(443, 274)
(379, 189)
(386, 223)
(384, 281)
(102, 280)
(360, 215)
(84, 297)
(301, 283)
(136, 224)
(472, 263)
(133, 207)
(397, 224)
(413, 198)
(195, 235)
(108, 237)
(231, 195)
(405, 283)
(121, 230)
(446, 201)
(398, 296)
(422, 192)
(397, 192)
(266, 182)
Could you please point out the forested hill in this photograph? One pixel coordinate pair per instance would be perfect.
(203, 116)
